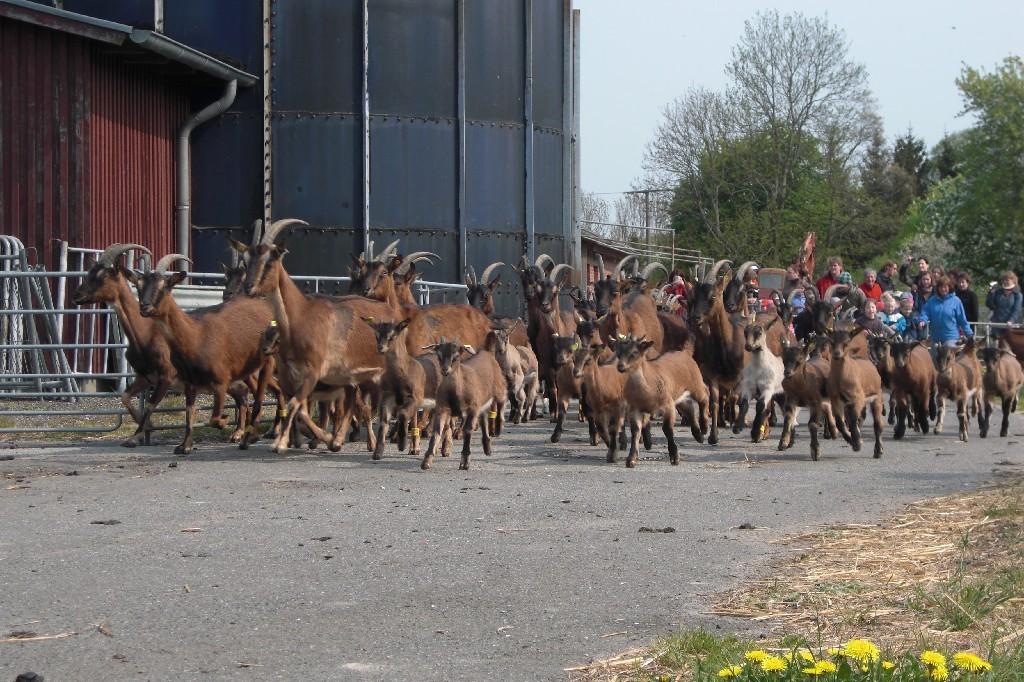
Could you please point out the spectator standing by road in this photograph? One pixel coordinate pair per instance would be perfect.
(966, 296)
(923, 291)
(1004, 300)
(922, 268)
(945, 313)
(677, 287)
(870, 286)
(831, 276)
(887, 276)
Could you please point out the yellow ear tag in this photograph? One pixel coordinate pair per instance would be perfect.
(622, 337)
(469, 348)
(575, 346)
(371, 319)
(273, 323)
(284, 411)
(414, 431)
(493, 414)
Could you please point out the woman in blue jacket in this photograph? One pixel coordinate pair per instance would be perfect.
(945, 313)
(1004, 300)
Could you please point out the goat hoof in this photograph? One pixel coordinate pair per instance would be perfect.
(424, 465)
(712, 440)
(463, 467)
(130, 443)
(814, 456)
(555, 437)
(182, 450)
(878, 453)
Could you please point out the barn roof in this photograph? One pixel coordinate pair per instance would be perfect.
(148, 47)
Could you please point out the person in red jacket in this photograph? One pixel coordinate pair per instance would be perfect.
(870, 286)
(835, 267)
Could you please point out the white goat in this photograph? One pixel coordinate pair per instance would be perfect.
(760, 380)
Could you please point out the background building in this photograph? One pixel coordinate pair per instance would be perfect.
(447, 124)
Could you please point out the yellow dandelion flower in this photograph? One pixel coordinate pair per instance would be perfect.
(965, 660)
(861, 649)
(773, 664)
(888, 665)
(803, 654)
(825, 667)
(756, 655)
(731, 671)
(940, 674)
(834, 651)
(813, 670)
(933, 659)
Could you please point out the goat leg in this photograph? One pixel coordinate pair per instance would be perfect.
(190, 414)
(438, 431)
(698, 414)
(592, 430)
(645, 432)
(217, 418)
(1009, 407)
(137, 386)
(469, 419)
(668, 422)
(788, 420)
(145, 427)
(485, 436)
(635, 425)
(383, 423)
(853, 412)
(899, 411)
(963, 417)
(940, 409)
(877, 413)
(498, 410)
(741, 415)
(812, 428)
(713, 396)
(562, 406)
(760, 415)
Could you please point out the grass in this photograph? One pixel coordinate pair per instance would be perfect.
(946, 574)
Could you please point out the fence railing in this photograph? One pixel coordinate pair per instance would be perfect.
(50, 351)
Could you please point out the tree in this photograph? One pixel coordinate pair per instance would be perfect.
(983, 206)
(910, 155)
(593, 208)
(774, 156)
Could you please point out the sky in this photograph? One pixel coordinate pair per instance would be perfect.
(638, 55)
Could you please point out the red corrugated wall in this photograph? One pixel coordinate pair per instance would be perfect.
(86, 144)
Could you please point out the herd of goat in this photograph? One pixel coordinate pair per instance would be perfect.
(375, 355)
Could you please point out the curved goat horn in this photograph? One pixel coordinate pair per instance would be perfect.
(489, 270)
(275, 229)
(114, 251)
(831, 291)
(257, 230)
(165, 262)
(471, 275)
(622, 264)
(742, 272)
(415, 257)
(600, 267)
(541, 258)
(558, 271)
(713, 272)
(388, 250)
(651, 267)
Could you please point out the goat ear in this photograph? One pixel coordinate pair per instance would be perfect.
(132, 276)
(430, 346)
(645, 344)
(278, 251)
(773, 321)
(857, 329)
(368, 320)
(494, 283)
(225, 268)
(176, 278)
(401, 325)
(597, 348)
(238, 246)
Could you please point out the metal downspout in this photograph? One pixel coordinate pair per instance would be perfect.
(183, 209)
(366, 126)
(528, 130)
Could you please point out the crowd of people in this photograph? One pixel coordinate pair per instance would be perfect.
(929, 304)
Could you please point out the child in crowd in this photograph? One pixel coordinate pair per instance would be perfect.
(869, 320)
(911, 332)
(891, 316)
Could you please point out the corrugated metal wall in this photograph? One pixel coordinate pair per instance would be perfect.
(86, 141)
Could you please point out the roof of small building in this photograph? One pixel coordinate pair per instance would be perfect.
(130, 40)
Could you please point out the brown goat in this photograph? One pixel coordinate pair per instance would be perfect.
(604, 385)
(719, 344)
(470, 389)
(321, 349)
(408, 383)
(1003, 379)
(519, 367)
(806, 385)
(658, 386)
(914, 382)
(210, 348)
(568, 384)
(854, 382)
(960, 380)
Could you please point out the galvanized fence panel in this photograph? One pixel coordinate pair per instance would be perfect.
(63, 355)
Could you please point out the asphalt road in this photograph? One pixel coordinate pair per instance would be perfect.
(249, 565)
